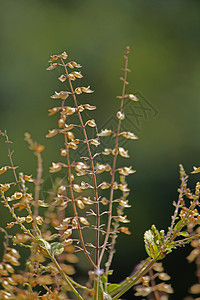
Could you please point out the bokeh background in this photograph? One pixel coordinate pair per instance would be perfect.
(165, 62)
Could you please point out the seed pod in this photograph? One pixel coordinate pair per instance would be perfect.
(133, 97)
(39, 220)
(80, 204)
(52, 133)
(120, 115)
(84, 221)
(105, 132)
(91, 123)
(3, 170)
(64, 55)
(62, 78)
(29, 219)
(67, 233)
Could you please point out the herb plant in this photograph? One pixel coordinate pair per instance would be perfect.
(87, 212)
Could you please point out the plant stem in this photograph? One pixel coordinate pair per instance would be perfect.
(115, 159)
(10, 157)
(130, 281)
(93, 171)
(66, 278)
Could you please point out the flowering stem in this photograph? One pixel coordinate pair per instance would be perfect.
(115, 158)
(93, 171)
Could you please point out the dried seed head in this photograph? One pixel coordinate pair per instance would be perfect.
(80, 204)
(56, 167)
(78, 91)
(39, 220)
(9, 268)
(52, 67)
(84, 221)
(91, 123)
(64, 55)
(104, 201)
(75, 223)
(77, 74)
(124, 203)
(66, 220)
(67, 128)
(54, 110)
(60, 95)
(62, 78)
(123, 187)
(29, 219)
(70, 135)
(68, 110)
(125, 230)
(3, 170)
(80, 166)
(115, 185)
(89, 107)
(86, 90)
(67, 242)
(39, 148)
(100, 168)
(77, 188)
(10, 225)
(195, 170)
(104, 185)
(14, 253)
(73, 64)
(4, 187)
(107, 151)
(123, 219)
(87, 200)
(61, 123)
(129, 135)
(53, 58)
(126, 171)
(73, 145)
(123, 152)
(63, 152)
(105, 132)
(95, 142)
(28, 178)
(52, 133)
(80, 108)
(67, 233)
(120, 115)
(16, 196)
(133, 97)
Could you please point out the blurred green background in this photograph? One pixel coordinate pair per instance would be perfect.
(165, 62)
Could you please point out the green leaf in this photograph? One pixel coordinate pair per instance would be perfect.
(112, 287)
(184, 233)
(104, 279)
(57, 248)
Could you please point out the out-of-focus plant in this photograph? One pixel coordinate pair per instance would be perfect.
(85, 213)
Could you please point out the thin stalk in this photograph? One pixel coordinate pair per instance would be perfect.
(65, 277)
(153, 284)
(38, 182)
(27, 231)
(74, 205)
(130, 281)
(92, 166)
(115, 159)
(10, 157)
(181, 194)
